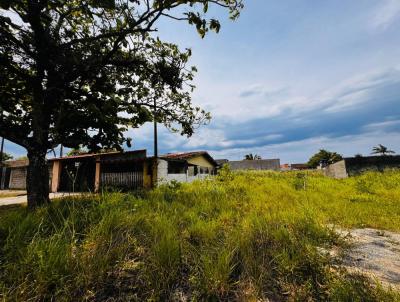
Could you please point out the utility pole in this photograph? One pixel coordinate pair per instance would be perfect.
(1, 151)
(2, 141)
(2, 171)
(155, 163)
(61, 150)
(155, 130)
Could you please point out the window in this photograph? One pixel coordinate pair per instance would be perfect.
(204, 170)
(176, 167)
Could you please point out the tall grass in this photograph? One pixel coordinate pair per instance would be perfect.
(247, 236)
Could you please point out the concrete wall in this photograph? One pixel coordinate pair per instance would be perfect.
(336, 170)
(263, 164)
(357, 165)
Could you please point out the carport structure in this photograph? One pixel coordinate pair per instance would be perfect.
(93, 172)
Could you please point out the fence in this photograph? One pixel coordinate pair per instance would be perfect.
(125, 176)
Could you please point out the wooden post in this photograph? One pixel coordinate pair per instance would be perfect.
(97, 177)
(55, 180)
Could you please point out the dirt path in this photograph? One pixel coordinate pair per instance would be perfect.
(375, 253)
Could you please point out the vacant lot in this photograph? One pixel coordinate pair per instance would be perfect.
(254, 236)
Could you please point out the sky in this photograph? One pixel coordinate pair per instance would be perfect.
(289, 78)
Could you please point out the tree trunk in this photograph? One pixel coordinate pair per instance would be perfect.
(37, 179)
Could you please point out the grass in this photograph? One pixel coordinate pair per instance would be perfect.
(248, 236)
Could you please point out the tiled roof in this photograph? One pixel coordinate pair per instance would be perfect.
(95, 154)
(183, 155)
(74, 156)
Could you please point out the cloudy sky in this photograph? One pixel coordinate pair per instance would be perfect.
(291, 77)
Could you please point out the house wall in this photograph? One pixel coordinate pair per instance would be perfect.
(181, 178)
(201, 161)
(164, 177)
(336, 170)
(18, 178)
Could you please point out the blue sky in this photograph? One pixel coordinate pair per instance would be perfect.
(291, 77)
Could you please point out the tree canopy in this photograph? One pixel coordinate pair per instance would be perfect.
(252, 156)
(79, 73)
(324, 156)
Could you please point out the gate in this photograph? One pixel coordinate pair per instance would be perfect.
(122, 175)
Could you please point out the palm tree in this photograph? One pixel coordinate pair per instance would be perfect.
(250, 156)
(382, 150)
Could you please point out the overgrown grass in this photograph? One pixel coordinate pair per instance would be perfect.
(243, 237)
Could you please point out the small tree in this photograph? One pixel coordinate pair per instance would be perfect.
(83, 72)
(382, 150)
(250, 156)
(73, 174)
(324, 156)
(5, 156)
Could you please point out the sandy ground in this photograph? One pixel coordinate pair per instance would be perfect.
(11, 193)
(375, 253)
(4, 201)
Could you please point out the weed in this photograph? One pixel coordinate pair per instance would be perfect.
(243, 236)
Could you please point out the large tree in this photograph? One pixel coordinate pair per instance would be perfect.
(79, 73)
(324, 156)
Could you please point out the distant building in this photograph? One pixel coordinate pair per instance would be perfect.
(355, 165)
(294, 167)
(221, 162)
(261, 164)
(13, 174)
(185, 167)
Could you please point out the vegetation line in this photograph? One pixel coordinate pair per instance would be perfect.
(239, 237)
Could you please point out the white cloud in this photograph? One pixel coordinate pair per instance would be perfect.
(381, 126)
(386, 14)
(265, 101)
(301, 150)
(358, 90)
(215, 138)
